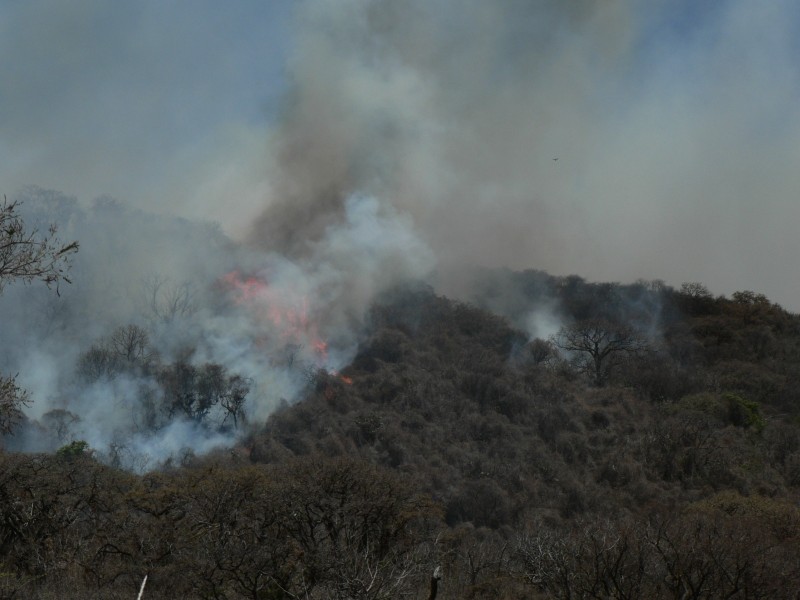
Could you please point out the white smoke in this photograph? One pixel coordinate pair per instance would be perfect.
(674, 126)
(134, 268)
(410, 133)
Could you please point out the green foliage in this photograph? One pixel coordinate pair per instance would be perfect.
(728, 408)
(73, 449)
(743, 412)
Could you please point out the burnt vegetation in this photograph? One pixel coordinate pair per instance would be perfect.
(648, 449)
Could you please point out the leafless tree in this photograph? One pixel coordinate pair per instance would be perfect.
(26, 255)
(541, 351)
(12, 399)
(694, 289)
(167, 300)
(233, 398)
(131, 343)
(59, 422)
(596, 345)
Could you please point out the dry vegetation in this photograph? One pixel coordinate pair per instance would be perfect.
(671, 470)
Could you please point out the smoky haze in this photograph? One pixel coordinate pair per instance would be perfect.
(675, 125)
(343, 147)
(198, 299)
(675, 130)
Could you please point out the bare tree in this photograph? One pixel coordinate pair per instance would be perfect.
(695, 289)
(167, 300)
(12, 399)
(131, 343)
(596, 346)
(197, 391)
(59, 422)
(27, 256)
(126, 350)
(233, 398)
(541, 351)
(98, 362)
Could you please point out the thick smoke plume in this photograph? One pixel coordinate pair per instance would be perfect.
(675, 124)
(613, 139)
(154, 298)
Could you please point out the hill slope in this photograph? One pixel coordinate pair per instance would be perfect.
(455, 439)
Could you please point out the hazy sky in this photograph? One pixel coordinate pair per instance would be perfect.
(676, 128)
(154, 102)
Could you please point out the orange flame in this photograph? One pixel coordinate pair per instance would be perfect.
(286, 310)
(343, 378)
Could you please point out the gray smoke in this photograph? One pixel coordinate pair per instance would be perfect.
(344, 146)
(201, 299)
(675, 127)
(675, 124)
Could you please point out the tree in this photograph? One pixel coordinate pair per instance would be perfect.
(59, 422)
(195, 391)
(597, 345)
(540, 351)
(695, 299)
(748, 297)
(166, 300)
(233, 397)
(358, 529)
(27, 256)
(12, 399)
(126, 350)
(695, 289)
(132, 343)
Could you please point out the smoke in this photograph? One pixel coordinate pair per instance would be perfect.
(159, 306)
(675, 125)
(616, 140)
(345, 146)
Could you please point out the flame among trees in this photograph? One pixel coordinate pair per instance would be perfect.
(285, 311)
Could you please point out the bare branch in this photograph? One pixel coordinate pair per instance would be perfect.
(26, 255)
(12, 399)
(595, 345)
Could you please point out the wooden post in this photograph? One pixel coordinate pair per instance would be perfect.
(141, 589)
(437, 575)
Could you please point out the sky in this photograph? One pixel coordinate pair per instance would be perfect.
(676, 125)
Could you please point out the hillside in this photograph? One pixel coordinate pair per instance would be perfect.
(668, 467)
(455, 396)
